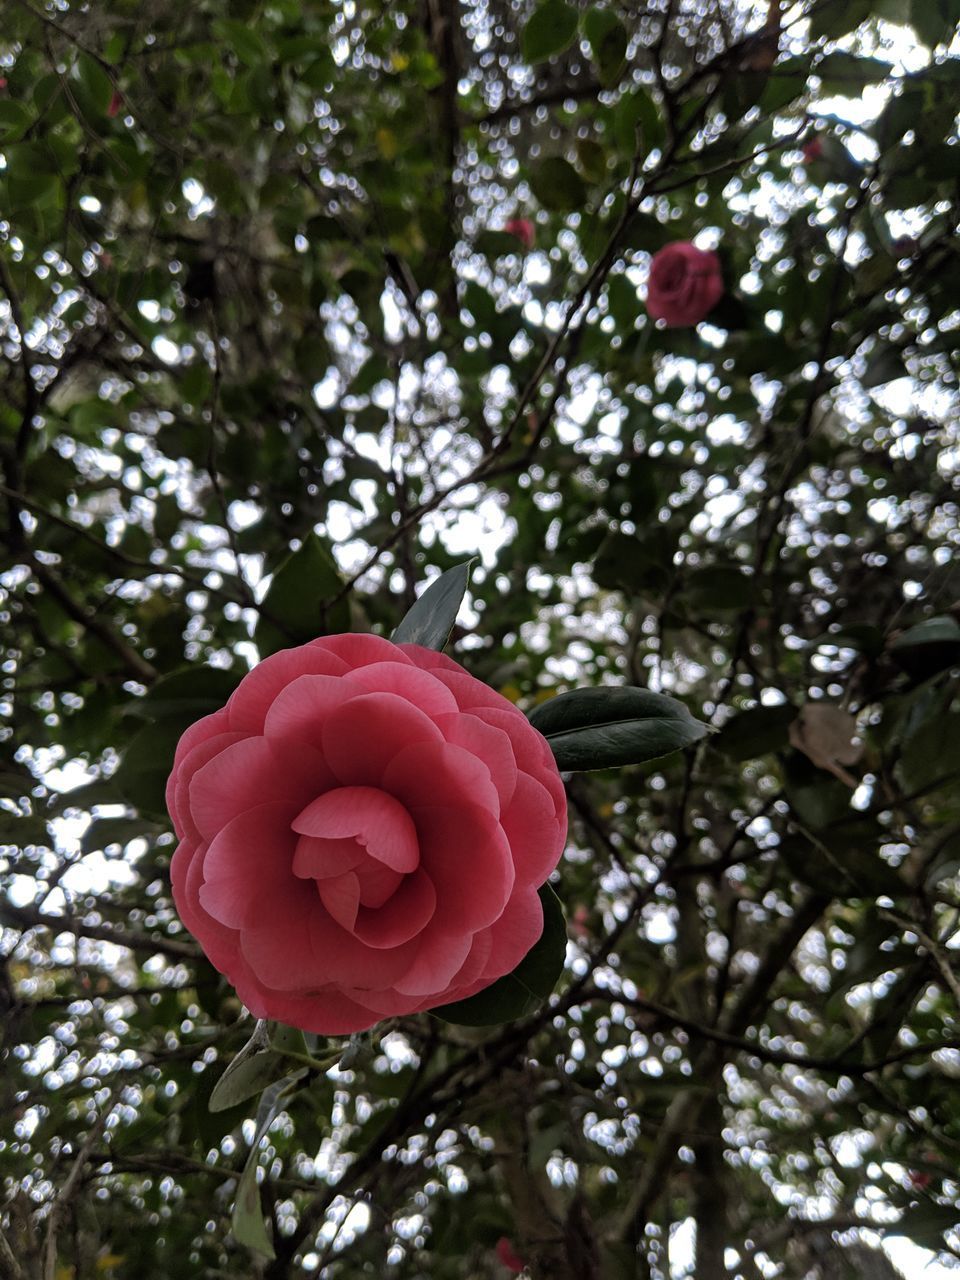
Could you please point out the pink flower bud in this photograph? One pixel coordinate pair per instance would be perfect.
(507, 1256)
(523, 229)
(812, 150)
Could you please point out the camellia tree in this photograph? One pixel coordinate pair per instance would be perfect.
(497, 461)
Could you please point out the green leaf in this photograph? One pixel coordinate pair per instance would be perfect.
(592, 159)
(430, 621)
(240, 40)
(190, 693)
(295, 609)
(931, 24)
(718, 587)
(246, 1076)
(526, 988)
(14, 119)
(557, 185)
(550, 29)
(927, 648)
(884, 364)
(95, 87)
(240, 1081)
(247, 1221)
(610, 726)
(816, 798)
(608, 43)
(755, 732)
(840, 72)
(840, 866)
(637, 126)
(835, 20)
(287, 1039)
(926, 1224)
(931, 755)
(145, 767)
(861, 636)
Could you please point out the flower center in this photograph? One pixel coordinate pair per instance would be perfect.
(358, 844)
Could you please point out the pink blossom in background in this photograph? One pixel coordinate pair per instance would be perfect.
(506, 1255)
(523, 229)
(116, 102)
(685, 284)
(363, 830)
(812, 150)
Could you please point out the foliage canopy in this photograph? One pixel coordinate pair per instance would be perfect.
(271, 361)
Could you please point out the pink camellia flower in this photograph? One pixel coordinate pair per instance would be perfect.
(506, 1255)
(685, 283)
(523, 229)
(363, 829)
(812, 150)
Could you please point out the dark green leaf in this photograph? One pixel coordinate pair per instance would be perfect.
(927, 648)
(637, 124)
(931, 24)
(756, 732)
(925, 1224)
(931, 754)
(846, 72)
(550, 29)
(841, 867)
(861, 636)
(192, 693)
(296, 608)
(608, 43)
(884, 364)
(557, 185)
(610, 726)
(835, 20)
(430, 621)
(95, 89)
(146, 764)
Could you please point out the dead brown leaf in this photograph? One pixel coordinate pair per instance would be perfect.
(826, 736)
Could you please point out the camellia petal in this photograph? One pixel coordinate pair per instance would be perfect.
(316, 858)
(465, 853)
(471, 694)
(532, 831)
(487, 743)
(178, 784)
(296, 945)
(361, 737)
(421, 688)
(440, 956)
(341, 897)
(533, 755)
(301, 709)
(249, 773)
(256, 845)
(517, 929)
(358, 649)
(401, 917)
(424, 771)
(254, 696)
(374, 818)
